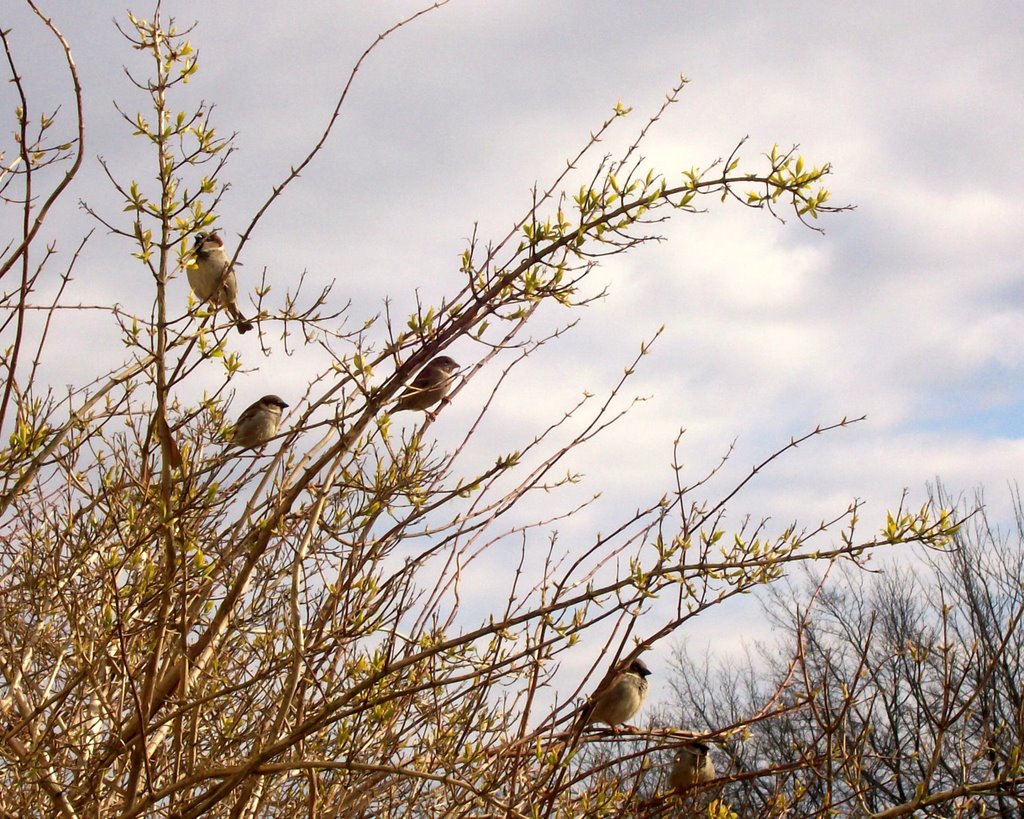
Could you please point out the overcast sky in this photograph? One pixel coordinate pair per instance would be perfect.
(908, 309)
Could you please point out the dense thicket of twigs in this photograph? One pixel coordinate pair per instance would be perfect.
(893, 694)
(187, 631)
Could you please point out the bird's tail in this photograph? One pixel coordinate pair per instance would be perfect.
(241, 322)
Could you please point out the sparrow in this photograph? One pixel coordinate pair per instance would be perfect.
(258, 423)
(211, 279)
(429, 387)
(692, 766)
(623, 696)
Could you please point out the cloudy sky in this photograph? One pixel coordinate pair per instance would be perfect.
(908, 309)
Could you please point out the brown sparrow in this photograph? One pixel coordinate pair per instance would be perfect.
(211, 279)
(258, 423)
(692, 766)
(430, 386)
(623, 696)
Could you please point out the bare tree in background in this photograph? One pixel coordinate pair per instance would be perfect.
(188, 631)
(888, 694)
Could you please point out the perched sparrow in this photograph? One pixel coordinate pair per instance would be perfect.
(623, 696)
(258, 423)
(429, 387)
(211, 279)
(692, 766)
